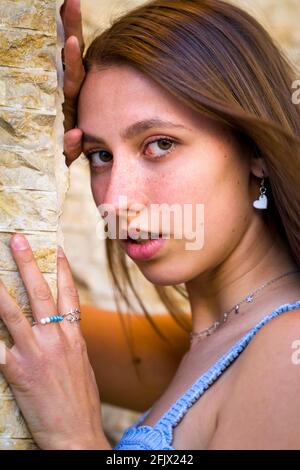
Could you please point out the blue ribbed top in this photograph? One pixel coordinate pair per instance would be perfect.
(160, 436)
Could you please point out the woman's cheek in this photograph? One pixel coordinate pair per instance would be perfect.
(99, 187)
(224, 215)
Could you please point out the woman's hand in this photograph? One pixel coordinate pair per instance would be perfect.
(73, 76)
(48, 368)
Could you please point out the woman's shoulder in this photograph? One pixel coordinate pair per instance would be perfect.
(274, 344)
(262, 409)
(274, 340)
(271, 354)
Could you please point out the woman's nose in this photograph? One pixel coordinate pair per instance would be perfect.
(125, 193)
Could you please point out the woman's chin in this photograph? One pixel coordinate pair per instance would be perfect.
(162, 275)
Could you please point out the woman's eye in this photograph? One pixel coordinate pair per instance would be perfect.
(99, 157)
(155, 149)
(160, 147)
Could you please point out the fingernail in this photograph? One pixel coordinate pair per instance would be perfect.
(19, 242)
(60, 252)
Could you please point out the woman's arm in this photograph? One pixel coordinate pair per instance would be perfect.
(112, 362)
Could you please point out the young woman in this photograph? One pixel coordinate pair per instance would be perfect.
(183, 102)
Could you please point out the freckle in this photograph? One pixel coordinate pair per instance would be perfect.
(225, 156)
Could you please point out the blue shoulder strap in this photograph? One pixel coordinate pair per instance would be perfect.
(176, 412)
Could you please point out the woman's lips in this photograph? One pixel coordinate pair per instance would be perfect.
(143, 251)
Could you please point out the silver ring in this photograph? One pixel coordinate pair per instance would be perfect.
(72, 315)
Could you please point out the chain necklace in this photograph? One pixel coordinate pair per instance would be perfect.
(236, 308)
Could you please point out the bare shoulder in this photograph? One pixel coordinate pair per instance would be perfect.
(274, 340)
(273, 346)
(262, 409)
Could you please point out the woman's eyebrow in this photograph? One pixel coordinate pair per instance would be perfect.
(135, 129)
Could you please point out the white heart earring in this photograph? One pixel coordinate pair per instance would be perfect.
(262, 202)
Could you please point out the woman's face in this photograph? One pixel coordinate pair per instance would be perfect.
(198, 162)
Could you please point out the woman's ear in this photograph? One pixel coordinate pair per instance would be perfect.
(258, 167)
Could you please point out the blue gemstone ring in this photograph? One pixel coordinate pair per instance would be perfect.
(46, 320)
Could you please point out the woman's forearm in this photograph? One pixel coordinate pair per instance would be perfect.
(95, 443)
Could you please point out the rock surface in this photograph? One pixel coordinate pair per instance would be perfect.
(31, 136)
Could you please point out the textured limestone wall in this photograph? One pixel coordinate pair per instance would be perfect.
(33, 176)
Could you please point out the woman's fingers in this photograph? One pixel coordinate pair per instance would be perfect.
(74, 70)
(72, 20)
(10, 368)
(68, 298)
(73, 78)
(72, 145)
(15, 321)
(39, 293)
(74, 74)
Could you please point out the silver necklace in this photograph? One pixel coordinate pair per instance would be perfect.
(236, 308)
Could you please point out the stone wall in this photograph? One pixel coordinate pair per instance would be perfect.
(31, 157)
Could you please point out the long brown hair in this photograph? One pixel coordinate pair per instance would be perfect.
(220, 62)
